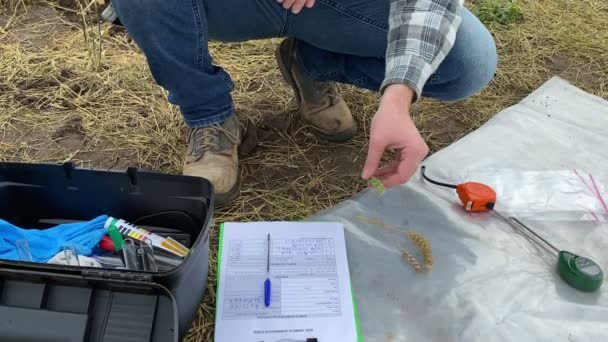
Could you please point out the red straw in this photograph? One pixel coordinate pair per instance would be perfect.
(599, 194)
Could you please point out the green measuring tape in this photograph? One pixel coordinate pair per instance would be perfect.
(577, 271)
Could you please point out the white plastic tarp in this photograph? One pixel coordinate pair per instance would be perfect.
(488, 282)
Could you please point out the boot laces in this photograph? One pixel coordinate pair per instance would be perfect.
(207, 139)
(330, 90)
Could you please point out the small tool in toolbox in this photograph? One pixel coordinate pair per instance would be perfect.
(474, 196)
(168, 244)
(577, 271)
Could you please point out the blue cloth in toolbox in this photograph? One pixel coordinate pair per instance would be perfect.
(46, 243)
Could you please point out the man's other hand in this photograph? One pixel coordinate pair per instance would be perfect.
(393, 129)
(296, 5)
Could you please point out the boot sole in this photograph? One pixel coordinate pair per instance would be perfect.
(334, 137)
(227, 197)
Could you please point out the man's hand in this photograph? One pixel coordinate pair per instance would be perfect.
(392, 128)
(296, 5)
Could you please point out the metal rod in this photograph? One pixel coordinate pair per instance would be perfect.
(514, 222)
(268, 256)
(521, 224)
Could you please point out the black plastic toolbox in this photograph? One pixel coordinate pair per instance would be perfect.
(43, 302)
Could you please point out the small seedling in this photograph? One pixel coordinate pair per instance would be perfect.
(376, 183)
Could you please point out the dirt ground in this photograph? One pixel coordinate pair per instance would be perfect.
(72, 90)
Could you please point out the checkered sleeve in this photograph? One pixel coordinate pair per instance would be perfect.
(421, 33)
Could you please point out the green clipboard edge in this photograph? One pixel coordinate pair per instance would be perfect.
(219, 262)
(357, 326)
(217, 289)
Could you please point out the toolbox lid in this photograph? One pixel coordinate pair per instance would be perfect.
(43, 302)
(31, 192)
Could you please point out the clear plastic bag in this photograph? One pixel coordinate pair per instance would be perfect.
(564, 195)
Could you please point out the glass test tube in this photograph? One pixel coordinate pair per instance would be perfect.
(146, 256)
(71, 255)
(23, 250)
(129, 253)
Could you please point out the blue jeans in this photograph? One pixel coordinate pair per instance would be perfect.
(338, 40)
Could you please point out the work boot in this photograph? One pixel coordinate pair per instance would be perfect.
(212, 154)
(319, 103)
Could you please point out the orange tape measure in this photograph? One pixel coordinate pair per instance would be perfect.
(475, 197)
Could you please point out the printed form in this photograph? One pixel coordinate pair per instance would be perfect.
(310, 283)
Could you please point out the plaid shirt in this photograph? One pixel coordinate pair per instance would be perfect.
(421, 33)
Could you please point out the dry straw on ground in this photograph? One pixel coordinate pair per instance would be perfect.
(93, 102)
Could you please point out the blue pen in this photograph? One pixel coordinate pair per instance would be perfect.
(267, 282)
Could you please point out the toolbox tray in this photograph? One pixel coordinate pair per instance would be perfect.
(44, 302)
